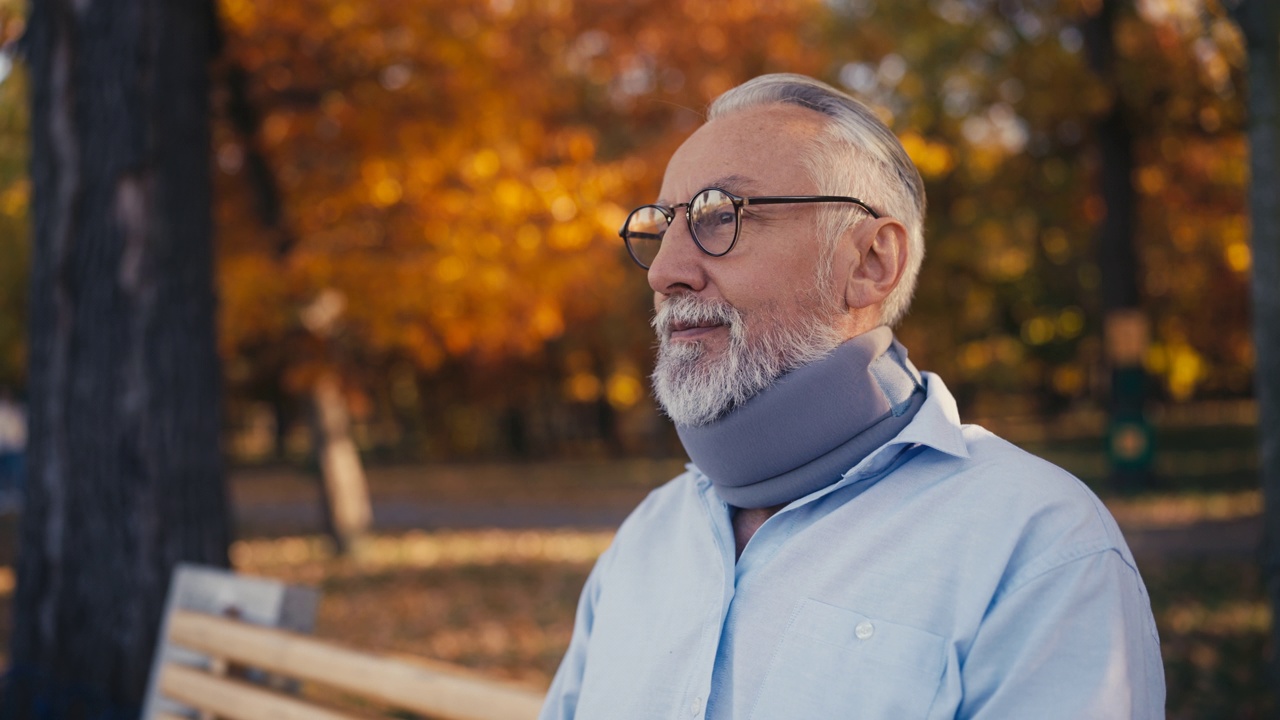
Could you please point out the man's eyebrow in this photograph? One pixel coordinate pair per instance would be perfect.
(736, 184)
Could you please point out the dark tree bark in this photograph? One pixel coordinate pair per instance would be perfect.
(1125, 324)
(125, 470)
(1260, 21)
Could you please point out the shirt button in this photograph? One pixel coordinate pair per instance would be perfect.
(864, 630)
(695, 707)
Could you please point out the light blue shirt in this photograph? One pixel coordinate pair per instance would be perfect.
(948, 575)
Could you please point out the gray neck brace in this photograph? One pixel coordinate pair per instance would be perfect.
(811, 426)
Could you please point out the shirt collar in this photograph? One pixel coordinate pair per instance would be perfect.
(937, 424)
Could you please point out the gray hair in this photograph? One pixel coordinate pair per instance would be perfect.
(859, 156)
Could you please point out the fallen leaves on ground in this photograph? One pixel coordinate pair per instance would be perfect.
(1185, 508)
(498, 601)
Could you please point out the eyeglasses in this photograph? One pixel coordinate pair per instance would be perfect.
(714, 217)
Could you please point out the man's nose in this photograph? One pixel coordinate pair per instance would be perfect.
(680, 263)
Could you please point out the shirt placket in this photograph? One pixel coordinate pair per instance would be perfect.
(719, 602)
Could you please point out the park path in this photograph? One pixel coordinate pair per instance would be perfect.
(1237, 538)
(296, 517)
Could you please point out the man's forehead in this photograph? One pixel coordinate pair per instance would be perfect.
(754, 151)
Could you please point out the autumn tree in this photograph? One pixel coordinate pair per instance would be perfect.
(453, 177)
(125, 469)
(995, 102)
(986, 98)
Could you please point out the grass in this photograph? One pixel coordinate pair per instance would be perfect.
(1214, 625)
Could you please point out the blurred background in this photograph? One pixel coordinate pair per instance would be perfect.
(415, 213)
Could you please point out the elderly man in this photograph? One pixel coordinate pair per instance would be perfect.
(841, 546)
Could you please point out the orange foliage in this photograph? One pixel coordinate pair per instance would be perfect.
(458, 172)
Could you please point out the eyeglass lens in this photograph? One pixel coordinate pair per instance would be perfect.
(644, 232)
(713, 221)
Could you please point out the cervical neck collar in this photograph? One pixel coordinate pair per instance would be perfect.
(811, 426)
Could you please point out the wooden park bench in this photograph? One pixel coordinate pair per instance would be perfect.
(231, 649)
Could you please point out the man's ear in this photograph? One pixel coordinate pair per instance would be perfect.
(876, 264)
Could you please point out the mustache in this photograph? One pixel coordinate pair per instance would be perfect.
(692, 310)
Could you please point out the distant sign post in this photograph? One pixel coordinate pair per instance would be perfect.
(1130, 438)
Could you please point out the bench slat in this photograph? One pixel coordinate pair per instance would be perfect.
(445, 693)
(235, 700)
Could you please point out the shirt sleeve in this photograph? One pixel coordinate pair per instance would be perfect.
(562, 698)
(1075, 642)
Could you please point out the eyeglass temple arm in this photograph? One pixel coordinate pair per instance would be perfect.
(787, 199)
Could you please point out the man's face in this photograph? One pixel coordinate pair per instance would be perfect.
(730, 325)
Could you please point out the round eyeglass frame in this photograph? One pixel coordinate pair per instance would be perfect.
(739, 202)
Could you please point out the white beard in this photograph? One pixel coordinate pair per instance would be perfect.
(695, 387)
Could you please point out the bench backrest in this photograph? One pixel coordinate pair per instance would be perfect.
(217, 591)
(238, 651)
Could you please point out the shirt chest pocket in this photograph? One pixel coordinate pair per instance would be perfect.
(838, 663)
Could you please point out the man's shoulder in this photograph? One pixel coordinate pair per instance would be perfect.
(987, 448)
(1001, 467)
(985, 460)
(1041, 506)
(668, 502)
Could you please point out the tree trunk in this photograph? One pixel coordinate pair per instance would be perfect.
(1260, 21)
(125, 469)
(346, 493)
(1129, 441)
